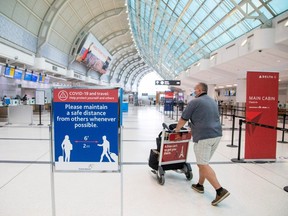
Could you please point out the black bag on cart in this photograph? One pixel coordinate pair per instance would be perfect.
(158, 141)
(154, 159)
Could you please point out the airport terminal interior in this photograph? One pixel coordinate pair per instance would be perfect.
(85, 87)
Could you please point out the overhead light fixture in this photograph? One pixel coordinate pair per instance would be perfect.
(286, 24)
(213, 56)
(244, 42)
(59, 78)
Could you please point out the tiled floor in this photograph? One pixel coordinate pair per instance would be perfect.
(26, 188)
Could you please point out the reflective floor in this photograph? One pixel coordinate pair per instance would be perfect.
(29, 188)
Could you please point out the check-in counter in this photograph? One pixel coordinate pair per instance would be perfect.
(14, 102)
(21, 114)
(3, 113)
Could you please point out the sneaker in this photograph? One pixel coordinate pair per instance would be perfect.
(224, 193)
(199, 189)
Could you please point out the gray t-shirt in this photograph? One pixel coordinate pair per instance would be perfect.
(204, 116)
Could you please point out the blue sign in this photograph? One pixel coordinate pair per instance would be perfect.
(86, 129)
(168, 104)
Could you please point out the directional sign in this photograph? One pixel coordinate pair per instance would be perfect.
(167, 82)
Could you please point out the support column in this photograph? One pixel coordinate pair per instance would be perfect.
(211, 91)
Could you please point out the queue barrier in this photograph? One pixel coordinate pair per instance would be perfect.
(283, 132)
(255, 124)
(241, 121)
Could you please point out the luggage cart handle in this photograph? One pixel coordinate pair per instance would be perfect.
(171, 128)
(164, 125)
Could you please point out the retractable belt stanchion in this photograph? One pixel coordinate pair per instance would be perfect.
(233, 129)
(255, 124)
(231, 112)
(283, 132)
(239, 144)
(40, 123)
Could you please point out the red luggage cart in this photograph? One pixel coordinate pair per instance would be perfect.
(173, 154)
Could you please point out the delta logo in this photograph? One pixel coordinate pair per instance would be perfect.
(267, 77)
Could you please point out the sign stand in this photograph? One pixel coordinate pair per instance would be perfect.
(40, 100)
(91, 139)
(261, 108)
(52, 180)
(121, 174)
(40, 115)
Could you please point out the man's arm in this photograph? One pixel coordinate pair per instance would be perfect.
(180, 124)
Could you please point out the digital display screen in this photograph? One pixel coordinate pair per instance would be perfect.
(9, 72)
(93, 55)
(28, 76)
(34, 78)
(18, 74)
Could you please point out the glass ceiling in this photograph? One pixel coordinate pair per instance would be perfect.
(172, 35)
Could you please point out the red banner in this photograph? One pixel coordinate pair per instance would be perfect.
(169, 95)
(175, 151)
(261, 108)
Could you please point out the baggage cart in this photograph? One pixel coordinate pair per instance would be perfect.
(171, 153)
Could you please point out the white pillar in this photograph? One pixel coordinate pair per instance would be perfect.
(241, 91)
(211, 91)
